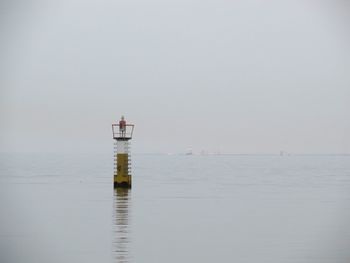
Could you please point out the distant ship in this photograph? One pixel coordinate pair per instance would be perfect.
(189, 152)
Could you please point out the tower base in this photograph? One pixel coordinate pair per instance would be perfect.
(122, 185)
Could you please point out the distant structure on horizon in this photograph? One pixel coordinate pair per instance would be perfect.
(189, 152)
(122, 134)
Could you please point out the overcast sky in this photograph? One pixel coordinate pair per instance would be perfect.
(232, 76)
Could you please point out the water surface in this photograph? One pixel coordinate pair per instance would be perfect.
(246, 209)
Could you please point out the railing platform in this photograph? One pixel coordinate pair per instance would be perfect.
(119, 134)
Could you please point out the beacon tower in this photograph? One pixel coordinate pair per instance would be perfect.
(122, 134)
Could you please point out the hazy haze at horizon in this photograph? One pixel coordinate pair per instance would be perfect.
(235, 77)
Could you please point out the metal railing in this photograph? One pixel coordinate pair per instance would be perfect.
(120, 133)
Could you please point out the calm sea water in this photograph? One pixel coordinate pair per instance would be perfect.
(244, 209)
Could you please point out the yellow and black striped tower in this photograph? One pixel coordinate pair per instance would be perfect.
(122, 134)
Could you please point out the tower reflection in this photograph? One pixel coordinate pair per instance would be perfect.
(121, 225)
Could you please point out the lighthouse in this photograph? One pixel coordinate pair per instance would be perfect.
(122, 135)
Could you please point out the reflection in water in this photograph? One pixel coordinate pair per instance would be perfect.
(121, 225)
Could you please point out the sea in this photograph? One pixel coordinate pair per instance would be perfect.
(62, 208)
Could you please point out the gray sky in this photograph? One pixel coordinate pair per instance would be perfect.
(231, 76)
